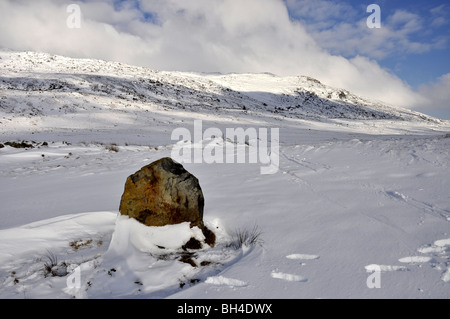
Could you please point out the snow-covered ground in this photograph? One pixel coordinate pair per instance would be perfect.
(361, 187)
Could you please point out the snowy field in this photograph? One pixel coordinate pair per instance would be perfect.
(354, 197)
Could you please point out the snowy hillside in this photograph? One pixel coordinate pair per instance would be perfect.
(361, 187)
(47, 92)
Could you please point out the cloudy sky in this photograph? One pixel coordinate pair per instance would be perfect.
(405, 62)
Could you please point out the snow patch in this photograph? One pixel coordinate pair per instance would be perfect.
(446, 275)
(224, 281)
(442, 242)
(302, 257)
(375, 267)
(415, 259)
(129, 234)
(287, 277)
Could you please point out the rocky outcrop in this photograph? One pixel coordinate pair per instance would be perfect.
(163, 193)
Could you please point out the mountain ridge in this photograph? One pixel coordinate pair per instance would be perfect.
(28, 74)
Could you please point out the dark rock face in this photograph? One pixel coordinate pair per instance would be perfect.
(163, 193)
(19, 145)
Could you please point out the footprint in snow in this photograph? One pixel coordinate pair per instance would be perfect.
(442, 242)
(287, 277)
(439, 256)
(302, 257)
(415, 259)
(292, 277)
(397, 195)
(384, 268)
(224, 281)
(435, 254)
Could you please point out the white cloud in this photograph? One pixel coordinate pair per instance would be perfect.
(437, 96)
(201, 35)
(404, 21)
(341, 29)
(440, 15)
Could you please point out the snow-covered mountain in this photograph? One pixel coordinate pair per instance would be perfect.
(36, 87)
(359, 207)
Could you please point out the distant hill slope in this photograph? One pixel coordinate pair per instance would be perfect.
(41, 85)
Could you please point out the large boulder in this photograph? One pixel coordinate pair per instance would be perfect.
(163, 193)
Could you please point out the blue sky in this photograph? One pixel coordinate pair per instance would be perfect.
(404, 63)
(420, 56)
